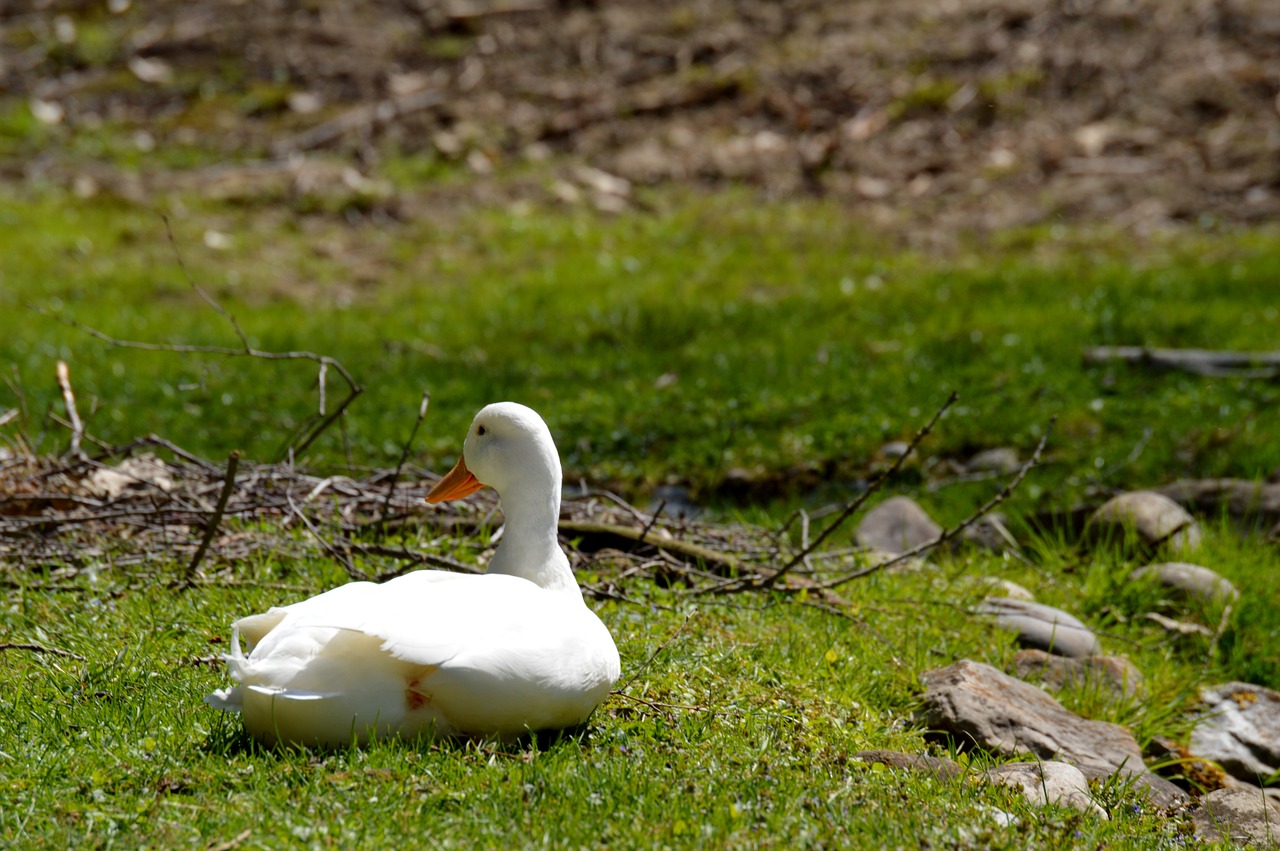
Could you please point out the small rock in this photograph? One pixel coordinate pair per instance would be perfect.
(1240, 730)
(1044, 783)
(976, 703)
(1041, 626)
(1116, 674)
(1155, 519)
(1001, 461)
(1153, 787)
(1238, 815)
(1191, 579)
(940, 767)
(894, 449)
(897, 525)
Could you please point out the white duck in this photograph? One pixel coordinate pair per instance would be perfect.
(432, 652)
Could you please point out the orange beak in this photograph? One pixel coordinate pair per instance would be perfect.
(456, 484)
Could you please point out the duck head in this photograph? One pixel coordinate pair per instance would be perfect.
(508, 448)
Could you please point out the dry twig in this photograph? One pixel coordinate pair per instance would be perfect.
(310, 430)
(947, 534)
(69, 399)
(769, 580)
(404, 455)
(40, 648)
(228, 485)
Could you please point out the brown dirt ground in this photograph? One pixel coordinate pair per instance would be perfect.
(937, 116)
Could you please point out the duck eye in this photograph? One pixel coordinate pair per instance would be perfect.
(480, 430)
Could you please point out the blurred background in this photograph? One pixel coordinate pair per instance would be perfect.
(722, 245)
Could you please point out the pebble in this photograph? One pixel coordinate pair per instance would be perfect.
(896, 525)
(1154, 519)
(1041, 626)
(1049, 782)
(1191, 579)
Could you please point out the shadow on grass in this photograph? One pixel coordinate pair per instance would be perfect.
(228, 738)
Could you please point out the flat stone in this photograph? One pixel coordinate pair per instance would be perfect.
(1191, 579)
(1238, 815)
(979, 704)
(1156, 789)
(897, 525)
(1155, 520)
(1044, 783)
(1240, 730)
(1041, 626)
(1115, 674)
(940, 767)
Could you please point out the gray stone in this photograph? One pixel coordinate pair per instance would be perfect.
(1191, 579)
(1001, 460)
(1240, 730)
(1114, 674)
(1041, 626)
(1044, 783)
(897, 525)
(1153, 787)
(940, 767)
(1238, 815)
(976, 703)
(1155, 519)
(894, 449)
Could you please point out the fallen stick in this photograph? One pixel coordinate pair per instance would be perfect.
(1196, 361)
(40, 648)
(69, 399)
(228, 485)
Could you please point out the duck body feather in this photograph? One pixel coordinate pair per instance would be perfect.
(428, 653)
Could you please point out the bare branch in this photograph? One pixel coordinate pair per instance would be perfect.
(948, 534)
(771, 579)
(40, 648)
(308, 434)
(404, 455)
(228, 485)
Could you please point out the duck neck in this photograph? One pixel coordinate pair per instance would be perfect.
(530, 547)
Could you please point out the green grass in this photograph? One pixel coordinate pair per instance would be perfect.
(766, 700)
(709, 336)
